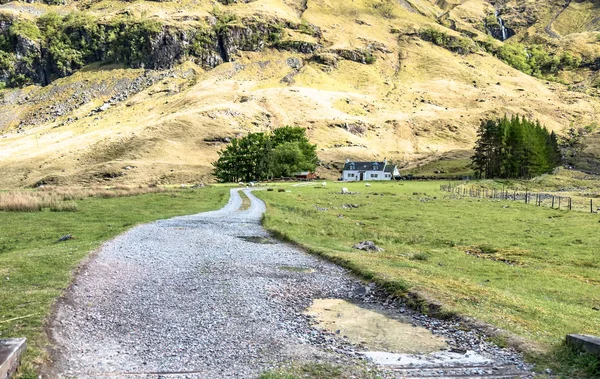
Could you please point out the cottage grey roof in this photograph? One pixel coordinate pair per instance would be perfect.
(364, 166)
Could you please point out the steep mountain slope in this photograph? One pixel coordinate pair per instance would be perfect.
(150, 91)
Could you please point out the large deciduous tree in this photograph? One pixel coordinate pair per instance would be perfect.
(260, 156)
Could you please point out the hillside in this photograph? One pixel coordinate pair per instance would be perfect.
(146, 91)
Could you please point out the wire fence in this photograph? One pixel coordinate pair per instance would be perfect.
(536, 198)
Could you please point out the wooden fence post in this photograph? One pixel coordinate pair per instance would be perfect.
(552, 202)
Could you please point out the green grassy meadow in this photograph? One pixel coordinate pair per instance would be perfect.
(532, 271)
(35, 268)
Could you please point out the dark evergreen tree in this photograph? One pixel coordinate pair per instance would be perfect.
(514, 148)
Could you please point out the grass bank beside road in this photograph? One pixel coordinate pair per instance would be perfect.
(35, 268)
(529, 270)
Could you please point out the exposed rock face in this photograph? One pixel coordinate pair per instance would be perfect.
(250, 37)
(300, 46)
(228, 2)
(169, 46)
(5, 23)
(360, 56)
(30, 62)
(495, 30)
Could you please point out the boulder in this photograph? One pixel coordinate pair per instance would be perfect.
(11, 351)
(367, 246)
(586, 343)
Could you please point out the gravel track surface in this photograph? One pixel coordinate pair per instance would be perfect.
(189, 297)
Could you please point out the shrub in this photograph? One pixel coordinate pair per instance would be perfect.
(420, 257)
(515, 55)
(535, 60)
(455, 44)
(25, 29)
(369, 58)
(487, 249)
(386, 8)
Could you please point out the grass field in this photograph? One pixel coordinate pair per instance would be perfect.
(35, 268)
(531, 271)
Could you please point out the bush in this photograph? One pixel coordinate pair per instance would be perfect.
(455, 44)
(385, 8)
(25, 29)
(535, 60)
(487, 249)
(515, 55)
(420, 257)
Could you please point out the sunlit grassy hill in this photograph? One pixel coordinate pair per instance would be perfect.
(365, 77)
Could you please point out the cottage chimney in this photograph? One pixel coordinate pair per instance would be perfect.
(347, 160)
(385, 161)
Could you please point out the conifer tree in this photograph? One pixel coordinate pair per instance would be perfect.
(514, 148)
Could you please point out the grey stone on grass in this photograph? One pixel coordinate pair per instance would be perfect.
(367, 246)
(588, 344)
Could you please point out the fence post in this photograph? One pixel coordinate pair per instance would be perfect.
(591, 205)
(559, 198)
(553, 202)
(570, 204)
(526, 195)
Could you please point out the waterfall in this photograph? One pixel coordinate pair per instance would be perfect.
(501, 22)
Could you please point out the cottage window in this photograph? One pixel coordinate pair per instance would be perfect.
(352, 166)
(375, 167)
(374, 175)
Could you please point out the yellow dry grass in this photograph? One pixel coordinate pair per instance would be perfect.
(417, 101)
(60, 199)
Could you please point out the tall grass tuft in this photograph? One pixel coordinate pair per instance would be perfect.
(64, 206)
(20, 202)
(61, 199)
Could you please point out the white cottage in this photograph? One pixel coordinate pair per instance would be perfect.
(367, 171)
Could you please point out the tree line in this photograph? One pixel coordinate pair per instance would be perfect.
(260, 156)
(514, 148)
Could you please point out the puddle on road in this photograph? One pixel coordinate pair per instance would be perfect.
(372, 329)
(306, 270)
(437, 359)
(257, 239)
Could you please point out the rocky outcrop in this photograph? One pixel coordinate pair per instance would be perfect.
(299, 46)
(150, 45)
(249, 36)
(359, 55)
(228, 2)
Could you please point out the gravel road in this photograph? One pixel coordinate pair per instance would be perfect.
(191, 297)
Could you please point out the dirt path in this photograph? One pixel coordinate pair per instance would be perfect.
(549, 30)
(212, 296)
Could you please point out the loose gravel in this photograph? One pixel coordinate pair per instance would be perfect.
(213, 296)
